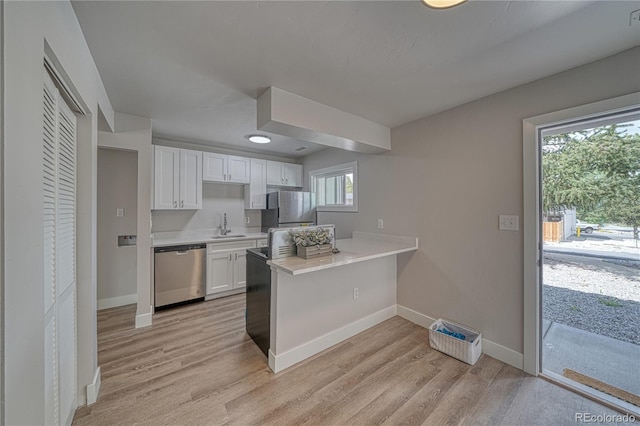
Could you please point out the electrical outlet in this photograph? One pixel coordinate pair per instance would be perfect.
(380, 224)
(355, 293)
(508, 222)
(634, 17)
(247, 219)
(119, 212)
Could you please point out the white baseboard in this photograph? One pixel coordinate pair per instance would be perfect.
(494, 350)
(415, 317)
(114, 302)
(304, 351)
(93, 389)
(144, 320)
(502, 353)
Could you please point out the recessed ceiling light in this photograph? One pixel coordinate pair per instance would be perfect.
(442, 4)
(259, 139)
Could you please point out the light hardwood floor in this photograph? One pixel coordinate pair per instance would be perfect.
(196, 365)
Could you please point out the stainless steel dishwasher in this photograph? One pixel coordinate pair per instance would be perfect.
(179, 274)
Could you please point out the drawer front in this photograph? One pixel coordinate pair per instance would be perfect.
(218, 247)
(262, 243)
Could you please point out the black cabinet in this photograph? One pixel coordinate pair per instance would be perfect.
(259, 298)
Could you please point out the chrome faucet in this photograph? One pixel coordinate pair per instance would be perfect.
(224, 230)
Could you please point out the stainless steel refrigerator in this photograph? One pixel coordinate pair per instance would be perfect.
(287, 209)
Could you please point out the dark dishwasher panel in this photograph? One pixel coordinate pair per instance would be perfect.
(259, 298)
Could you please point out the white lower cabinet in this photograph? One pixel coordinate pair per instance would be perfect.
(227, 266)
(219, 272)
(240, 269)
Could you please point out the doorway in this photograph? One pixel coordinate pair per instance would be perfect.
(117, 227)
(590, 268)
(598, 114)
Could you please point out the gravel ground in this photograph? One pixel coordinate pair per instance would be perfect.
(598, 296)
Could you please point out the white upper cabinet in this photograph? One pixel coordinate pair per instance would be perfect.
(177, 179)
(255, 194)
(284, 174)
(225, 168)
(166, 180)
(190, 179)
(292, 174)
(239, 169)
(214, 167)
(274, 173)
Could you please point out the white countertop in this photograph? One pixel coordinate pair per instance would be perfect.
(361, 247)
(160, 239)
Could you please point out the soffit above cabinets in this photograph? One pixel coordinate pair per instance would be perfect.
(288, 114)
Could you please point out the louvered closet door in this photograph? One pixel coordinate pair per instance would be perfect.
(59, 225)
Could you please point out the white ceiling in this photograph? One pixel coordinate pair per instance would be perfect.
(196, 68)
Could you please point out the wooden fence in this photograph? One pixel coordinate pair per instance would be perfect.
(552, 231)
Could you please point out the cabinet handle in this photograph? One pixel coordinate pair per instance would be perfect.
(175, 204)
(236, 256)
(252, 204)
(230, 257)
(182, 203)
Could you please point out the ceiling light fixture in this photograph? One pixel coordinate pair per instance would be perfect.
(442, 4)
(259, 139)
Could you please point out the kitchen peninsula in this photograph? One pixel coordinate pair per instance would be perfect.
(319, 302)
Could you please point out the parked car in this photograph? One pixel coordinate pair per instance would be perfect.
(587, 228)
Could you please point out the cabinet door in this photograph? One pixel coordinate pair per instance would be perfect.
(274, 173)
(292, 174)
(240, 269)
(190, 179)
(238, 169)
(214, 167)
(255, 194)
(166, 186)
(219, 272)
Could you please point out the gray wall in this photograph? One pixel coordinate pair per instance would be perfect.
(1, 215)
(446, 180)
(117, 188)
(26, 28)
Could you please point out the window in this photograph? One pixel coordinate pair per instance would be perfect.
(336, 188)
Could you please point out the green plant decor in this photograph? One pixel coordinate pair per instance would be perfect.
(312, 237)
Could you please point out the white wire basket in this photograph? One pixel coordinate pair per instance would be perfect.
(467, 350)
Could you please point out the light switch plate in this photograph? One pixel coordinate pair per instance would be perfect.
(119, 212)
(508, 222)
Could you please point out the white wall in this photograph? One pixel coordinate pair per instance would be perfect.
(217, 198)
(1, 213)
(446, 180)
(117, 188)
(133, 133)
(27, 27)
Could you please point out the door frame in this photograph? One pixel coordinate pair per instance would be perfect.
(532, 212)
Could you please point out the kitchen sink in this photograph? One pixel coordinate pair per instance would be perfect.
(223, 237)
